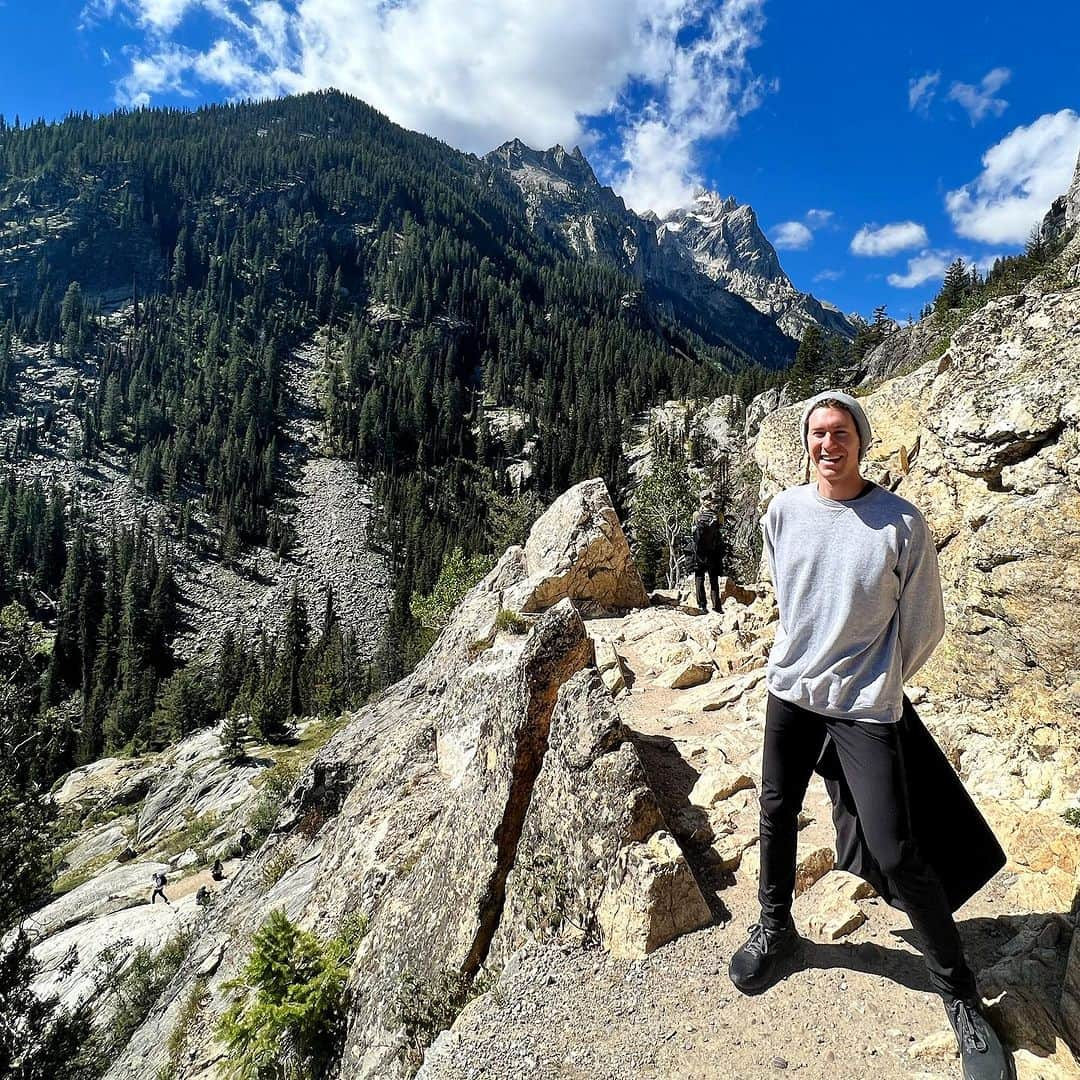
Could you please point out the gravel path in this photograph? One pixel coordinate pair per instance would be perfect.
(852, 1010)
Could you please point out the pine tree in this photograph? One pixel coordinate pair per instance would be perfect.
(234, 730)
(806, 374)
(954, 289)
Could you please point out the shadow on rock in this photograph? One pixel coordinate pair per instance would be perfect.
(672, 778)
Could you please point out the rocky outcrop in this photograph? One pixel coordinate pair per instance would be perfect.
(577, 549)
(903, 348)
(1072, 200)
(491, 799)
(710, 262)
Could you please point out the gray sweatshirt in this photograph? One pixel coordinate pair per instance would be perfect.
(860, 601)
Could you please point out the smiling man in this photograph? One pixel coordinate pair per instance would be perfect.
(857, 585)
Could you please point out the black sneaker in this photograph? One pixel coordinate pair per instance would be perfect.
(755, 962)
(982, 1057)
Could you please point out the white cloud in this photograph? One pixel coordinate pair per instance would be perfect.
(792, 236)
(799, 235)
(921, 91)
(874, 239)
(699, 91)
(931, 265)
(161, 73)
(979, 101)
(1021, 177)
(671, 72)
(818, 219)
(924, 267)
(828, 275)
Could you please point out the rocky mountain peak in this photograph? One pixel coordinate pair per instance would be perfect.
(724, 238)
(725, 242)
(712, 251)
(555, 167)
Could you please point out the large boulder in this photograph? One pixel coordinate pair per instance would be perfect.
(577, 549)
(652, 898)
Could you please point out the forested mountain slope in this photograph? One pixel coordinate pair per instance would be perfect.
(199, 311)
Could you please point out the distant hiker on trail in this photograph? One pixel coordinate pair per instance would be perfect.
(159, 880)
(217, 871)
(707, 551)
(244, 840)
(857, 585)
(202, 897)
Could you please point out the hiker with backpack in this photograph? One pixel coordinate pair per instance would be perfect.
(706, 550)
(160, 881)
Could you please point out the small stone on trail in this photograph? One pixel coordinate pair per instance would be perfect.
(779, 1063)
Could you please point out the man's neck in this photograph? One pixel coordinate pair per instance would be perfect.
(843, 490)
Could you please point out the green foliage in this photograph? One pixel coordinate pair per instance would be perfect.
(234, 731)
(965, 289)
(186, 705)
(510, 622)
(136, 985)
(459, 573)
(276, 784)
(27, 816)
(38, 1039)
(1072, 816)
(510, 517)
(288, 1019)
(662, 517)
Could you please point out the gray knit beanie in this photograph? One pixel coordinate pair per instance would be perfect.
(852, 406)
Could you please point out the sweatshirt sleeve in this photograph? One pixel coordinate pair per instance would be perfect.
(767, 542)
(922, 612)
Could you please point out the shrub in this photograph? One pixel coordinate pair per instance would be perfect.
(459, 573)
(289, 1018)
(277, 866)
(277, 782)
(510, 622)
(1072, 816)
(424, 1007)
(138, 985)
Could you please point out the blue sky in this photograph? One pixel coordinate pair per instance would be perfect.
(876, 142)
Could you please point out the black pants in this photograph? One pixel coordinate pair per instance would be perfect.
(874, 769)
(714, 587)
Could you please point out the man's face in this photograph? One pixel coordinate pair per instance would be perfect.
(833, 439)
